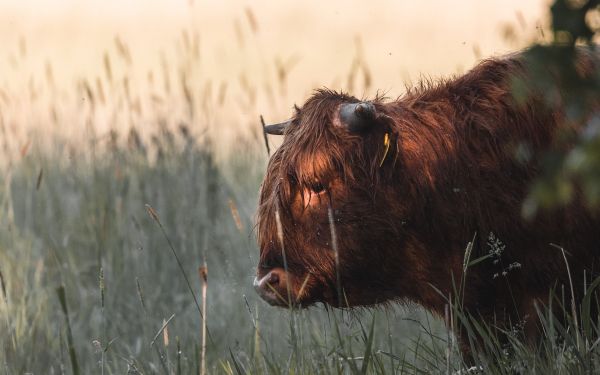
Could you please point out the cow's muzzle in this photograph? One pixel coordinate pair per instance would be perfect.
(274, 288)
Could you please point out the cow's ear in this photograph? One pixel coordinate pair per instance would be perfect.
(358, 117)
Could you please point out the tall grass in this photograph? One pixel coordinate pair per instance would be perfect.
(74, 218)
(85, 230)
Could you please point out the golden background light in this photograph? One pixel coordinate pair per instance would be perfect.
(260, 56)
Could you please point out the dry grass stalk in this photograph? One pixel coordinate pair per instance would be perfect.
(236, 216)
(335, 250)
(39, 179)
(204, 277)
(165, 334)
(285, 265)
(162, 328)
(262, 122)
(3, 286)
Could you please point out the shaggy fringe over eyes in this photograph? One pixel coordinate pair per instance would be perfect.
(316, 151)
(313, 151)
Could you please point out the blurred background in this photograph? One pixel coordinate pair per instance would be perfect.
(109, 106)
(243, 58)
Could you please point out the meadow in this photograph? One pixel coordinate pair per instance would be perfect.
(118, 186)
(104, 229)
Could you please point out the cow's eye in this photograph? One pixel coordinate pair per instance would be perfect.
(317, 187)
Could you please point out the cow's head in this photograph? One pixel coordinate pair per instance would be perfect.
(327, 221)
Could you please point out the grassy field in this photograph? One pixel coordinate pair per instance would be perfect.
(109, 208)
(117, 186)
(78, 225)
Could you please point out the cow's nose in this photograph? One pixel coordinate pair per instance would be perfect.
(272, 287)
(273, 279)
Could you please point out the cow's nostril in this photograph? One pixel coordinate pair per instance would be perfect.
(273, 278)
(273, 287)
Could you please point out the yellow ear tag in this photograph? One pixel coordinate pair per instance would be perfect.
(386, 144)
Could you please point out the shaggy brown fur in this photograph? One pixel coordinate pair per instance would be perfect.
(402, 225)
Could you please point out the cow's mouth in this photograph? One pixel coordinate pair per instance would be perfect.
(278, 288)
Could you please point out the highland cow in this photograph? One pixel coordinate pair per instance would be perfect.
(368, 202)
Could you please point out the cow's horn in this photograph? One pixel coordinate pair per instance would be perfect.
(277, 129)
(357, 116)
